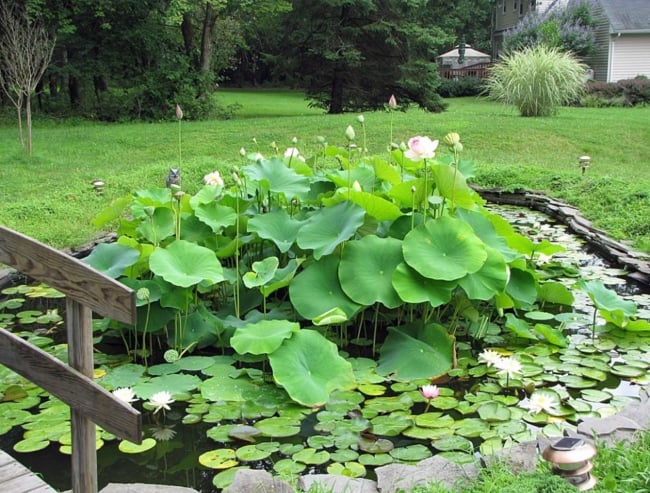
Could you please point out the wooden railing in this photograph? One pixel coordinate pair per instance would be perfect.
(86, 290)
(480, 71)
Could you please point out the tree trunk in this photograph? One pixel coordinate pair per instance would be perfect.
(28, 117)
(73, 91)
(19, 111)
(207, 36)
(336, 94)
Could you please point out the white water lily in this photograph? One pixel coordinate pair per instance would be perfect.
(125, 394)
(489, 357)
(541, 401)
(161, 400)
(508, 366)
(163, 433)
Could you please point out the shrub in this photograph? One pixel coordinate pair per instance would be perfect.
(467, 86)
(537, 80)
(628, 92)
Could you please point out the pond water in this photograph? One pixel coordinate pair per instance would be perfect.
(201, 441)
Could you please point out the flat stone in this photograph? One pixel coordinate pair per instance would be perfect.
(522, 457)
(337, 484)
(144, 488)
(257, 481)
(639, 412)
(395, 477)
(603, 427)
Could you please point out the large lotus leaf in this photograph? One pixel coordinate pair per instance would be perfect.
(408, 194)
(607, 299)
(405, 357)
(276, 226)
(555, 292)
(489, 279)
(226, 388)
(385, 171)
(216, 216)
(174, 383)
(414, 288)
(485, 230)
(112, 259)
(309, 368)
(452, 185)
(329, 227)
(111, 213)
(445, 249)
(362, 174)
(161, 225)
(202, 327)
(366, 270)
(185, 264)
(522, 287)
(282, 277)
(376, 206)
(263, 271)
(277, 178)
(316, 290)
(262, 337)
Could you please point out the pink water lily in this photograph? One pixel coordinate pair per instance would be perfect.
(430, 391)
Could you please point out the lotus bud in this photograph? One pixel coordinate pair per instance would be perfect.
(403, 147)
(458, 147)
(321, 140)
(394, 146)
(361, 119)
(236, 179)
(356, 186)
(349, 133)
(179, 195)
(413, 189)
(451, 139)
(274, 146)
(179, 112)
(143, 294)
(242, 151)
(392, 102)
(294, 141)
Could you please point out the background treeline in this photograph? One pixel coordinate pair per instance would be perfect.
(118, 60)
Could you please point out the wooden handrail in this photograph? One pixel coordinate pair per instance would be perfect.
(87, 290)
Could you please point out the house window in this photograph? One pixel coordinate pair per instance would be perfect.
(514, 7)
(521, 8)
(504, 5)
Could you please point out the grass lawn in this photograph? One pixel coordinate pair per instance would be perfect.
(49, 196)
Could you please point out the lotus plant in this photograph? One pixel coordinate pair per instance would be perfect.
(429, 392)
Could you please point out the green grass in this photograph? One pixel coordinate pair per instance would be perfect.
(49, 196)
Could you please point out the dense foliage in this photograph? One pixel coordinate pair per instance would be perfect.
(569, 27)
(125, 59)
(628, 92)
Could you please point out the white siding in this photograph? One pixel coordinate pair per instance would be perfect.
(629, 56)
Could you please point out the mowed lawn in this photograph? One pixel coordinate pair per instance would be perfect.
(50, 197)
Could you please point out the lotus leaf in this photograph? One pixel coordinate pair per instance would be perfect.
(490, 279)
(316, 291)
(494, 411)
(186, 264)
(263, 337)
(278, 427)
(276, 226)
(161, 225)
(415, 288)
(275, 177)
(390, 425)
(311, 456)
(174, 383)
(406, 356)
(411, 453)
(451, 184)
(374, 460)
(522, 287)
(263, 271)
(132, 448)
(366, 270)
(350, 469)
(445, 249)
(453, 443)
(219, 458)
(327, 228)
(112, 259)
(288, 467)
(252, 453)
(309, 367)
(555, 292)
(226, 389)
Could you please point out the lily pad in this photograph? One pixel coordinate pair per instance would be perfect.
(127, 447)
(224, 458)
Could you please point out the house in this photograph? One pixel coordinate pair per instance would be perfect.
(622, 34)
(473, 63)
(623, 39)
(509, 12)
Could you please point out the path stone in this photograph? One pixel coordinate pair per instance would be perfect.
(337, 484)
(257, 481)
(522, 457)
(144, 488)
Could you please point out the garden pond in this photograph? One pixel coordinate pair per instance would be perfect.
(223, 411)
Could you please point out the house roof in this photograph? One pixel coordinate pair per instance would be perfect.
(469, 53)
(627, 16)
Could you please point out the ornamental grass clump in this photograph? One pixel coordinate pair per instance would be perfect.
(537, 80)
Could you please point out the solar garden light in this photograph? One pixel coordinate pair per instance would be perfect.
(99, 186)
(571, 459)
(584, 162)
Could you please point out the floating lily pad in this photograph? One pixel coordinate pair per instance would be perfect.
(127, 447)
(219, 458)
(289, 467)
(31, 445)
(374, 460)
(411, 453)
(311, 456)
(350, 469)
(252, 453)
(278, 427)
(224, 478)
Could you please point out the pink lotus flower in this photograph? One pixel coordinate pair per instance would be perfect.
(392, 102)
(421, 148)
(179, 112)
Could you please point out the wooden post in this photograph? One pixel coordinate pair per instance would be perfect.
(86, 290)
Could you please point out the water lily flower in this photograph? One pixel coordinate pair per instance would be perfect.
(489, 357)
(421, 148)
(125, 394)
(161, 400)
(508, 366)
(430, 391)
(291, 152)
(214, 179)
(541, 401)
(392, 102)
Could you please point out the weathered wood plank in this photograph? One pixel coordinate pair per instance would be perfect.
(72, 277)
(69, 385)
(16, 478)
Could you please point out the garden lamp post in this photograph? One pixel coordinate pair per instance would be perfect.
(571, 459)
(584, 162)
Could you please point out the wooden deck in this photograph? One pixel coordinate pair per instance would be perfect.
(16, 478)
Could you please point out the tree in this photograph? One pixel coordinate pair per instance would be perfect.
(353, 54)
(569, 27)
(25, 52)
